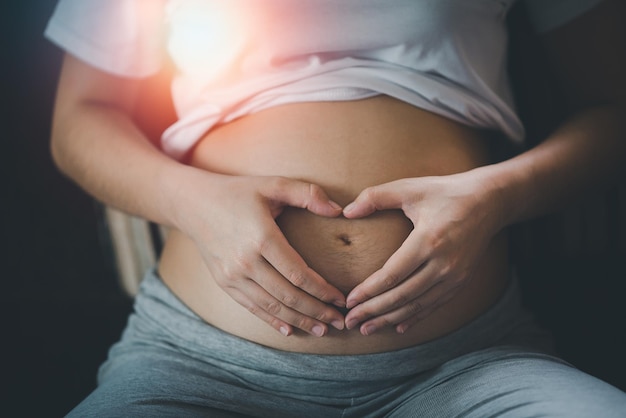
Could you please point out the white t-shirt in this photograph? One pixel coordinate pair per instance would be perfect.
(236, 57)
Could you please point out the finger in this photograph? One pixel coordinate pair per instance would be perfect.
(385, 196)
(286, 260)
(408, 312)
(405, 261)
(278, 316)
(254, 308)
(400, 296)
(302, 307)
(303, 195)
(405, 314)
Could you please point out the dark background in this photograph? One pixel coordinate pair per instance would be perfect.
(62, 306)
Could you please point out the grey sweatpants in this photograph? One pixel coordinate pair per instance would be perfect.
(170, 363)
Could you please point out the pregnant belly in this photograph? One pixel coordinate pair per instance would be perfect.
(344, 147)
(344, 251)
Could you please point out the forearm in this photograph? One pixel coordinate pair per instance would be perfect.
(100, 148)
(587, 151)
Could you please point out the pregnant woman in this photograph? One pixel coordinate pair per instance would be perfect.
(337, 242)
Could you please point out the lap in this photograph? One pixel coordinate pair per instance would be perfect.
(507, 382)
(169, 363)
(166, 383)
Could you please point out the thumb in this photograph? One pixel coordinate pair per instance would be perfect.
(381, 197)
(306, 196)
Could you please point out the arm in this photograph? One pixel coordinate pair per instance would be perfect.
(95, 142)
(587, 150)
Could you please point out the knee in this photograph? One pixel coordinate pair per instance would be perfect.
(533, 386)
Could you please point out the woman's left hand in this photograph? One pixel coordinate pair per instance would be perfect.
(454, 219)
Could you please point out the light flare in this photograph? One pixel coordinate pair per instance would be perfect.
(206, 37)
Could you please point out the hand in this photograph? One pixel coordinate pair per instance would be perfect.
(454, 219)
(233, 225)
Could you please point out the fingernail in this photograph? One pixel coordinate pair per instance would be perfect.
(368, 330)
(318, 330)
(334, 205)
(352, 301)
(349, 208)
(284, 331)
(340, 303)
(338, 324)
(351, 323)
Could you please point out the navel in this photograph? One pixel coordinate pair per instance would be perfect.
(345, 239)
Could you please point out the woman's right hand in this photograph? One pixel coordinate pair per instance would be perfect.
(232, 221)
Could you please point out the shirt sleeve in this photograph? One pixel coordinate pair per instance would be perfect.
(122, 37)
(549, 14)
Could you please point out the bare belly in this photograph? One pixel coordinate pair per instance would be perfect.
(344, 147)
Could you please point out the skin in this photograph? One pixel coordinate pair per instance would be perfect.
(96, 143)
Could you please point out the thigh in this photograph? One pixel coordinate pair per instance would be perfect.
(162, 383)
(155, 384)
(513, 385)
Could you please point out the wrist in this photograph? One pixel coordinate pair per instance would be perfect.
(187, 196)
(173, 188)
(501, 191)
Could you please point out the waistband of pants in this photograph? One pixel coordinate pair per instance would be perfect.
(505, 323)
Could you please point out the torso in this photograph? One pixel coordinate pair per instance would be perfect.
(344, 147)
